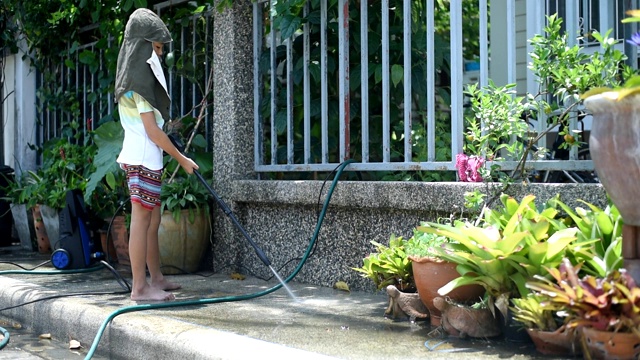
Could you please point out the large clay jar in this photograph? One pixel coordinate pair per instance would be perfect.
(614, 145)
(430, 275)
(182, 243)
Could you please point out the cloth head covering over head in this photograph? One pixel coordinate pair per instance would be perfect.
(133, 72)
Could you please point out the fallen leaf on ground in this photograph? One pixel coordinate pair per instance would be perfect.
(45, 336)
(236, 276)
(74, 344)
(341, 285)
(17, 325)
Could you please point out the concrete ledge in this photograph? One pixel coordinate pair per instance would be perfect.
(401, 195)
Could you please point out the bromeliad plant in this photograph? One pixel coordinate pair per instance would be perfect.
(604, 225)
(609, 303)
(514, 243)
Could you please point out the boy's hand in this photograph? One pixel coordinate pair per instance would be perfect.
(187, 164)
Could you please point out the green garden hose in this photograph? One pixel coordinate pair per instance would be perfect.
(142, 307)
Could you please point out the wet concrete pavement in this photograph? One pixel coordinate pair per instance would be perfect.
(321, 323)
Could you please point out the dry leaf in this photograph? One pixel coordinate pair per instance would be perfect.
(17, 325)
(45, 336)
(341, 285)
(236, 276)
(74, 344)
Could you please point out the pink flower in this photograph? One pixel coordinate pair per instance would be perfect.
(468, 167)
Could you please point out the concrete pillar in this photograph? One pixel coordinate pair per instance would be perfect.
(232, 117)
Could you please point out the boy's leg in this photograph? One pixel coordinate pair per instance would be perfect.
(141, 290)
(153, 254)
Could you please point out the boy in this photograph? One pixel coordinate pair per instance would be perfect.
(143, 104)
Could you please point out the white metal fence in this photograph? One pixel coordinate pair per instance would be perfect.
(307, 135)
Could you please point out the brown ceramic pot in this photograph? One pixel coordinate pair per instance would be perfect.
(559, 342)
(120, 236)
(44, 245)
(611, 345)
(108, 247)
(430, 275)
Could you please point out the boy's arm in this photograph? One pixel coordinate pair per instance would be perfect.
(161, 139)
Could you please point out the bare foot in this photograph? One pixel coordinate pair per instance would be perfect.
(165, 284)
(150, 293)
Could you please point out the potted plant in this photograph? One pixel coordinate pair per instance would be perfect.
(605, 309)
(545, 327)
(185, 228)
(389, 267)
(66, 166)
(511, 244)
(15, 194)
(431, 272)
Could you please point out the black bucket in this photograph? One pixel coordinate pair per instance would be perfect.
(6, 221)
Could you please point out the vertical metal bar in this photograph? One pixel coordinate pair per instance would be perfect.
(343, 54)
(289, 78)
(258, 33)
(484, 41)
(274, 130)
(364, 78)
(406, 17)
(182, 79)
(307, 88)
(194, 112)
(535, 25)
(431, 83)
(511, 41)
(606, 15)
(456, 78)
(386, 138)
(93, 88)
(109, 100)
(573, 31)
(324, 97)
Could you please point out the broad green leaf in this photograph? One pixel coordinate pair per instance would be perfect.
(397, 73)
(515, 218)
(108, 138)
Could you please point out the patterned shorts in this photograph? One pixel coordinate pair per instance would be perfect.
(144, 185)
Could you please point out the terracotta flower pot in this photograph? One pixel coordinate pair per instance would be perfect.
(120, 237)
(430, 275)
(611, 345)
(44, 246)
(108, 247)
(559, 342)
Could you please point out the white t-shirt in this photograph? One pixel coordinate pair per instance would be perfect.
(137, 148)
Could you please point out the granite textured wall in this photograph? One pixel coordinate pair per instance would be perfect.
(281, 216)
